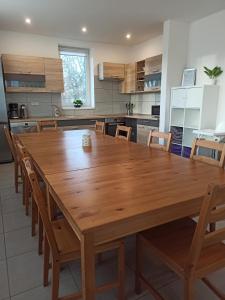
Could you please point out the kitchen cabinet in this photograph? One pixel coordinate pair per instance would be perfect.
(32, 74)
(18, 64)
(130, 122)
(53, 75)
(109, 70)
(143, 129)
(128, 85)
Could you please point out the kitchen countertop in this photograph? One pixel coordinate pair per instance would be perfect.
(85, 117)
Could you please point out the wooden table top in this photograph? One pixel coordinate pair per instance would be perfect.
(108, 194)
(55, 152)
(115, 187)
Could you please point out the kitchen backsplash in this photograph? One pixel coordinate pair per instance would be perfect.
(108, 100)
(143, 102)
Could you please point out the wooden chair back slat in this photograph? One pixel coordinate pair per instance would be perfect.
(210, 211)
(46, 124)
(160, 135)
(212, 145)
(100, 127)
(124, 129)
(40, 201)
(10, 142)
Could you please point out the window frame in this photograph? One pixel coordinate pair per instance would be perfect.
(89, 76)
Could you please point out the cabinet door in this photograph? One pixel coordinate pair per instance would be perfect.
(113, 70)
(178, 98)
(54, 75)
(17, 64)
(194, 97)
(128, 85)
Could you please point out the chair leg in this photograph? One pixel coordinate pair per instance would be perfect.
(121, 271)
(34, 216)
(189, 289)
(55, 279)
(40, 242)
(26, 195)
(46, 261)
(138, 265)
(16, 176)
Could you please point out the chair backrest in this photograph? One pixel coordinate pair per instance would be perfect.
(21, 150)
(212, 211)
(123, 132)
(40, 201)
(156, 135)
(47, 124)
(211, 145)
(10, 142)
(100, 126)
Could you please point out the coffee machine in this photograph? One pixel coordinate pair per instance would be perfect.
(13, 111)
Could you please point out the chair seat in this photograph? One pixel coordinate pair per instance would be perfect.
(172, 243)
(67, 242)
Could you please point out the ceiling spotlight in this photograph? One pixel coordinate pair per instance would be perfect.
(84, 29)
(28, 21)
(128, 36)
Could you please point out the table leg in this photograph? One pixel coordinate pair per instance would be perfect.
(88, 266)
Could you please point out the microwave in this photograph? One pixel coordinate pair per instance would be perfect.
(155, 110)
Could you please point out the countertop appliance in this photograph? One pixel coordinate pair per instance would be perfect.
(5, 154)
(23, 127)
(14, 111)
(23, 111)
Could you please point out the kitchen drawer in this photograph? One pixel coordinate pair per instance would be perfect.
(63, 123)
(152, 123)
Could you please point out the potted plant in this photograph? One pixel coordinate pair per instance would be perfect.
(213, 73)
(77, 103)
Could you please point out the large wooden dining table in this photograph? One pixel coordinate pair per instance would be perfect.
(115, 188)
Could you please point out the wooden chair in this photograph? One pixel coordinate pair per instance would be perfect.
(100, 127)
(15, 158)
(211, 145)
(47, 125)
(123, 132)
(160, 135)
(187, 247)
(64, 245)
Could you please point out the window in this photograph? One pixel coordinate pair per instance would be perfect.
(77, 77)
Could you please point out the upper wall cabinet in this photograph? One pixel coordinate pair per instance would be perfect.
(16, 64)
(32, 74)
(54, 75)
(129, 83)
(111, 71)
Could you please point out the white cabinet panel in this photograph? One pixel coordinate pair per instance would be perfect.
(178, 98)
(194, 97)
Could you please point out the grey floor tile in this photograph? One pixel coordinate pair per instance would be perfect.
(2, 247)
(25, 272)
(4, 286)
(20, 241)
(67, 287)
(11, 201)
(16, 220)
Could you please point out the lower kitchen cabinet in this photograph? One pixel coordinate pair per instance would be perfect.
(133, 124)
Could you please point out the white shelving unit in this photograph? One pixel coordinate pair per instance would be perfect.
(192, 108)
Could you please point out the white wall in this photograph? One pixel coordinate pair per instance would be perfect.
(37, 45)
(207, 48)
(175, 39)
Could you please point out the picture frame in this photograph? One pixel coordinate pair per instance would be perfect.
(189, 77)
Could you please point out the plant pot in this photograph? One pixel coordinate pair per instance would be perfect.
(77, 105)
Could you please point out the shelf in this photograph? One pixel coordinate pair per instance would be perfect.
(25, 90)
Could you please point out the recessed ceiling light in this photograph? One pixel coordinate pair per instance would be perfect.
(28, 21)
(128, 36)
(84, 29)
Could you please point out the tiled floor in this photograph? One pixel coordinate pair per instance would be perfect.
(21, 267)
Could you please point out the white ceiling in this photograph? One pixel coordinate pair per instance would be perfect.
(107, 20)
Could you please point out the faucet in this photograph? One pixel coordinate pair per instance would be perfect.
(57, 111)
